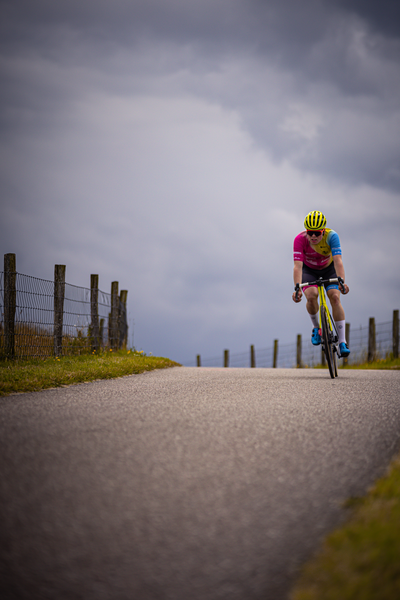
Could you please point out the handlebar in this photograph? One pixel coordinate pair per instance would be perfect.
(319, 282)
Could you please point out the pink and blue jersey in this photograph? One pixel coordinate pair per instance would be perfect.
(320, 255)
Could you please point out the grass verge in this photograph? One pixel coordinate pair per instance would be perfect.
(360, 560)
(384, 363)
(38, 374)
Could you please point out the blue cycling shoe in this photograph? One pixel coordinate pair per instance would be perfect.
(343, 350)
(315, 337)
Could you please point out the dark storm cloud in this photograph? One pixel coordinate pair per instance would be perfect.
(285, 28)
(124, 22)
(339, 56)
(383, 17)
(338, 60)
(312, 38)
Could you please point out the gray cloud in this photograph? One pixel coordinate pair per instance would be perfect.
(383, 17)
(320, 55)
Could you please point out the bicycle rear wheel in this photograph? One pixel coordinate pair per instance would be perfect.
(326, 341)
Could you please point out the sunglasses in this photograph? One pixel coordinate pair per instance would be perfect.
(316, 233)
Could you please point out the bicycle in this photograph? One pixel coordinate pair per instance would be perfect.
(327, 327)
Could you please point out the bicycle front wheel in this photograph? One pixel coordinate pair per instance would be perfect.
(326, 341)
(334, 339)
(334, 356)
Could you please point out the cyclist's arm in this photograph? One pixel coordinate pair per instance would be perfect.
(297, 278)
(298, 271)
(339, 268)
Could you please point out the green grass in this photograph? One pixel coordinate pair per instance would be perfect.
(32, 375)
(384, 363)
(380, 363)
(361, 560)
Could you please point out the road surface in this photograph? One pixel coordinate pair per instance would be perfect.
(186, 483)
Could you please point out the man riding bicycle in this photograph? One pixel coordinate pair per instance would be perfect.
(317, 253)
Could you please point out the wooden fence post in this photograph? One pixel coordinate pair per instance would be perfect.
(94, 312)
(101, 333)
(113, 326)
(10, 299)
(275, 361)
(226, 358)
(59, 292)
(122, 320)
(395, 334)
(371, 340)
(298, 352)
(347, 336)
(198, 360)
(252, 357)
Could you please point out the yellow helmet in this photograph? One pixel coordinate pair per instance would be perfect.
(315, 220)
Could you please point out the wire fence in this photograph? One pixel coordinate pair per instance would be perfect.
(311, 356)
(31, 326)
(34, 318)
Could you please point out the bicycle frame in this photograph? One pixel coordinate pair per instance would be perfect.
(323, 302)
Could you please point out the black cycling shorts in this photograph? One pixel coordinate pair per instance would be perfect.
(314, 274)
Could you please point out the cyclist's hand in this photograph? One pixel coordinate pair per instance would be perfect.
(299, 295)
(343, 287)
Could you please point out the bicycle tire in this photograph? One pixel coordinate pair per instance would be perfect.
(327, 343)
(334, 348)
(334, 357)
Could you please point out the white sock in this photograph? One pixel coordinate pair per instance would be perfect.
(315, 320)
(341, 329)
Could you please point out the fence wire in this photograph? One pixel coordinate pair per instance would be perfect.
(34, 318)
(311, 356)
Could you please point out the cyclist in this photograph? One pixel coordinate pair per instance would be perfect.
(317, 253)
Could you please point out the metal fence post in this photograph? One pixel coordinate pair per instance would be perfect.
(10, 298)
(113, 326)
(252, 357)
(275, 361)
(226, 358)
(371, 340)
(59, 292)
(395, 334)
(94, 312)
(298, 352)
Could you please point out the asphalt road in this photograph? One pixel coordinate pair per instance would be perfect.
(186, 483)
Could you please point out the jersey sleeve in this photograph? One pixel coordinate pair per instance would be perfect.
(298, 249)
(334, 243)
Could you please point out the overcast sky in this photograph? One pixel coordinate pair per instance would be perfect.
(176, 146)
